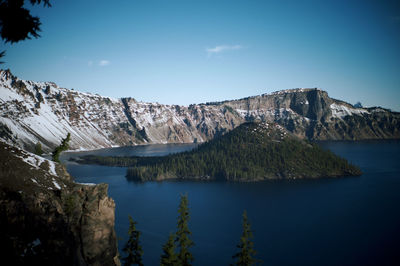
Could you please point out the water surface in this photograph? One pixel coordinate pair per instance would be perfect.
(343, 221)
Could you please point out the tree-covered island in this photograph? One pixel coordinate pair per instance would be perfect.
(251, 152)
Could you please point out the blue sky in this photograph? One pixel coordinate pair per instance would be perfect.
(183, 52)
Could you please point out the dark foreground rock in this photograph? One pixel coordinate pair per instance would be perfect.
(47, 219)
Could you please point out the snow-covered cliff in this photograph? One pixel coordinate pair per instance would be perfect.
(32, 112)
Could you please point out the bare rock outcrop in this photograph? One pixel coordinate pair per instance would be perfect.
(47, 219)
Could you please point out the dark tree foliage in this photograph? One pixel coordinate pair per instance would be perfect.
(169, 256)
(47, 90)
(38, 149)
(245, 255)
(358, 105)
(244, 154)
(2, 53)
(132, 248)
(183, 233)
(63, 147)
(17, 23)
(107, 160)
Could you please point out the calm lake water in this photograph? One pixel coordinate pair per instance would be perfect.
(344, 221)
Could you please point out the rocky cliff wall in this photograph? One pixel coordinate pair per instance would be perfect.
(32, 112)
(312, 114)
(47, 219)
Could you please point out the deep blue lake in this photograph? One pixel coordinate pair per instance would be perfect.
(343, 221)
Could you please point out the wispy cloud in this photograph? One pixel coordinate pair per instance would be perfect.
(222, 48)
(90, 63)
(104, 63)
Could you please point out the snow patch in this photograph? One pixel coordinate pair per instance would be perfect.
(340, 111)
(31, 159)
(35, 161)
(378, 110)
(297, 90)
(52, 168)
(9, 94)
(56, 184)
(86, 184)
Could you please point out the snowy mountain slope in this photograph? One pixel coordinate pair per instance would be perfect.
(34, 112)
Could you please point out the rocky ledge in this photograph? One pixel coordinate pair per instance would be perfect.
(47, 219)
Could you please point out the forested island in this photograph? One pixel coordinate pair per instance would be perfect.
(251, 152)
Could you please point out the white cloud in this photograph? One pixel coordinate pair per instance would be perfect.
(90, 63)
(221, 48)
(104, 63)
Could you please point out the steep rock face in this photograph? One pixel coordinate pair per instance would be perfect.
(174, 123)
(312, 114)
(47, 219)
(32, 112)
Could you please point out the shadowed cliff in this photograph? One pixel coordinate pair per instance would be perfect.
(47, 219)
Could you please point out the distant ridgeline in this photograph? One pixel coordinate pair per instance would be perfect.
(42, 112)
(251, 152)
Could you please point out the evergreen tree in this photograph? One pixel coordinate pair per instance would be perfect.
(246, 253)
(249, 152)
(38, 149)
(132, 247)
(183, 233)
(63, 147)
(169, 257)
(17, 23)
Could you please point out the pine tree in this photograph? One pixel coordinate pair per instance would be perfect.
(63, 147)
(169, 258)
(17, 23)
(38, 149)
(132, 247)
(183, 233)
(246, 245)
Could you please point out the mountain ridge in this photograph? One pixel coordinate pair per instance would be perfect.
(34, 112)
